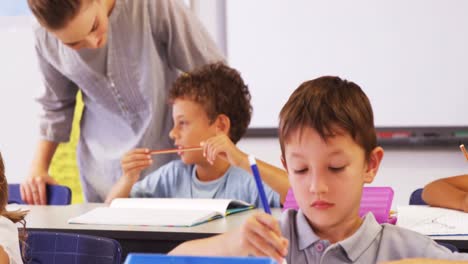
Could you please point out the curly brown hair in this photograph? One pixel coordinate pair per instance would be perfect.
(219, 89)
(14, 216)
(328, 104)
(55, 14)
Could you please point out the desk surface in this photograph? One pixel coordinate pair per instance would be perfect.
(56, 217)
(147, 239)
(152, 239)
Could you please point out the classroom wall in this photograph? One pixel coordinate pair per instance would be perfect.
(212, 14)
(403, 169)
(409, 57)
(19, 85)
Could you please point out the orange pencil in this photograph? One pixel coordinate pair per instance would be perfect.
(175, 150)
(463, 149)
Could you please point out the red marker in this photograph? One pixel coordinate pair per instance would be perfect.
(393, 134)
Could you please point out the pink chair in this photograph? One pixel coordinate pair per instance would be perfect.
(377, 200)
(290, 201)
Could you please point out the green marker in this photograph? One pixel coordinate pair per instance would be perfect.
(461, 134)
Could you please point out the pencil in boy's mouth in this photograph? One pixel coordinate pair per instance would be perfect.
(177, 150)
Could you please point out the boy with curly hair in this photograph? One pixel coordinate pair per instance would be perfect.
(211, 108)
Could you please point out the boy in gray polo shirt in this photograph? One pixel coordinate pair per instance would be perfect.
(329, 148)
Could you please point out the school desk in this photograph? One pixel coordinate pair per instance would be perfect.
(149, 239)
(152, 239)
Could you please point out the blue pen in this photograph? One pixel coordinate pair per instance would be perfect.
(258, 181)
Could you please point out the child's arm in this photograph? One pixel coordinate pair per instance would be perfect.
(422, 260)
(260, 235)
(210, 246)
(449, 192)
(4, 258)
(221, 145)
(132, 164)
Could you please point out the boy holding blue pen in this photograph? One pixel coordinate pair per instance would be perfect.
(258, 182)
(329, 149)
(211, 111)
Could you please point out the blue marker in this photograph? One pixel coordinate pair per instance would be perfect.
(258, 181)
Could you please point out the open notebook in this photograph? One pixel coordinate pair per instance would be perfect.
(433, 221)
(161, 211)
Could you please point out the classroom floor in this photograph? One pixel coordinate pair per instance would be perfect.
(64, 167)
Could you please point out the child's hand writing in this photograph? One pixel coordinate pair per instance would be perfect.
(222, 146)
(134, 162)
(261, 236)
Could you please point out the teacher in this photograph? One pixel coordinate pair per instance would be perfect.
(123, 55)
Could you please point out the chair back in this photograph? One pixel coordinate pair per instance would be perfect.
(290, 201)
(449, 246)
(377, 200)
(56, 194)
(52, 247)
(416, 197)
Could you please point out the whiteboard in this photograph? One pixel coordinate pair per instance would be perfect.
(20, 83)
(409, 57)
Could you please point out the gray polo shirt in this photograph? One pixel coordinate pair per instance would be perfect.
(124, 86)
(372, 243)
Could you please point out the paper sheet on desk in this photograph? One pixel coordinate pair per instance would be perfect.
(433, 220)
(16, 207)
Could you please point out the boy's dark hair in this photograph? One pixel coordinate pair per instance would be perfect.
(331, 106)
(55, 14)
(14, 216)
(219, 89)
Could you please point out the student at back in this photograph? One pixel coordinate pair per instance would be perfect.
(9, 238)
(211, 106)
(451, 192)
(329, 149)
